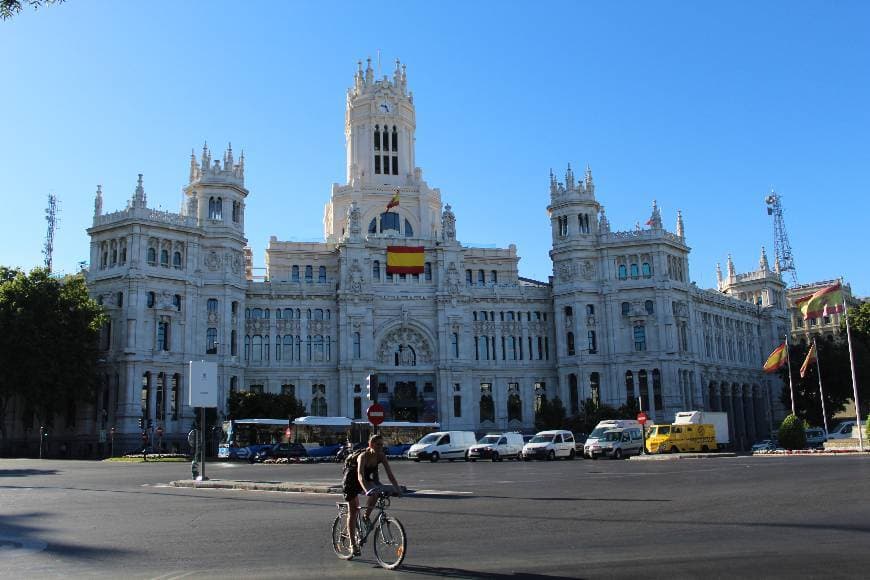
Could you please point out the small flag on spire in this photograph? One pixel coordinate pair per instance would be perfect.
(776, 360)
(395, 201)
(811, 357)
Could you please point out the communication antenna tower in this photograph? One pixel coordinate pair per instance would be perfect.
(781, 246)
(52, 219)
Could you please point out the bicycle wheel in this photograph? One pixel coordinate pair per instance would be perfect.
(340, 538)
(390, 543)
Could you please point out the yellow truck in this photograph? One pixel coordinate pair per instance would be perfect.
(681, 438)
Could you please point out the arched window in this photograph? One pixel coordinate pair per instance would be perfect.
(318, 401)
(570, 341)
(164, 258)
(639, 337)
(623, 272)
(487, 406)
(309, 274)
(514, 403)
(468, 278)
(211, 341)
(626, 308)
(389, 221)
(287, 347)
(160, 398)
(152, 257)
(649, 306)
(149, 302)
(321, 274)
(427, 271)
(376, 270)
(409, 229)
(212, 305)
(145, 397)
(595, 388)
(634, 271)
(647, 271)
(176, 260)
(590, 310)
(593, 343)
(294, 273)
(493, 277)
(629, 386)
(256, 348)
(481, 279)
(247, 347)
(657, 389)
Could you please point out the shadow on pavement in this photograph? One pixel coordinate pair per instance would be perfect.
(26, 472)
(23, 533)
(423, 494)
(473, 574)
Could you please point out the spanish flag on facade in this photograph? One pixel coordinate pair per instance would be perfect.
(395, 201)
(776, 359)
(404, 259)
(811, 357)
(825, 302)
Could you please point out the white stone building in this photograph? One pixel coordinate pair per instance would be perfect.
(468, 342)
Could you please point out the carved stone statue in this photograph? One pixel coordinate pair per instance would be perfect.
(448, 224)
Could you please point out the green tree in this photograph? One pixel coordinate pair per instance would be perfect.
(9, 8)
(48, 343)
(792, 433)
(550, 414)
(264, 406)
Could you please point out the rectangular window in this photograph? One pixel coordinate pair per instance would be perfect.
(457, 405)
(455, 344)
(395, 162)
(593, 344)
(639, 338)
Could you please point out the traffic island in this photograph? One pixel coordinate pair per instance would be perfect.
(283, 486)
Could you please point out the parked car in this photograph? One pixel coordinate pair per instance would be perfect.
(550, 445)
(398, 449)
(816, 437)
(618, 443)
(281, 450)
(579, 440)
(765, 445)
(843, 430)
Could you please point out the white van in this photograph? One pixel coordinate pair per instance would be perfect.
(843, 430)
(602, 428)
(497, 446)
(549, 445)
(618, 443)
(443, 445)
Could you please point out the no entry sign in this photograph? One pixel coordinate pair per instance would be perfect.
(375, 413)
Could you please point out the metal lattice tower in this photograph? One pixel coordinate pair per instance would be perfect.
(51, 218)
(781, 246)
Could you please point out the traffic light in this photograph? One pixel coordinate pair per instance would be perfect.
(372, 387)
(141, 423)
(369, 387)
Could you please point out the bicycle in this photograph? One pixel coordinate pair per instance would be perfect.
(390, 540)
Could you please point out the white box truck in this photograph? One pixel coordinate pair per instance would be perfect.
(718, 419)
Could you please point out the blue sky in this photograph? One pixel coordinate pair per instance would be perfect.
(703, 106)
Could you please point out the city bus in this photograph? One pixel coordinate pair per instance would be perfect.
(243, 438)
(398, 435)
(322, 436)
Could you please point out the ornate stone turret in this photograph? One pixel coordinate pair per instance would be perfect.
(98, 202)
(731, 272)
(603, 223)
(655, 220)
(718, 276)
(681, 232)
(763, 266)
(590, 186)
(139, 200)
(214, 170)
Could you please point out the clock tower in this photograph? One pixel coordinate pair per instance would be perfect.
(379, 129)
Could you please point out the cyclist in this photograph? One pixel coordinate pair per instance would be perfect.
(364, 479)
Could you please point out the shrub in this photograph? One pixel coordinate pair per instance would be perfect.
(792, 433)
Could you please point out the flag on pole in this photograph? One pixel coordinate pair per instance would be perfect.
(827, 301)
(405, 259)
(395, 201)
(777, 359)
(811, 356)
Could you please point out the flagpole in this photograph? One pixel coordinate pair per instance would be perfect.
(854, 378)
(821, 392)
(790, 385)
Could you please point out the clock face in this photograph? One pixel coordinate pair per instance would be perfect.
(385, 107)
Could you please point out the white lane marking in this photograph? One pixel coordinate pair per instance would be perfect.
(442, 492)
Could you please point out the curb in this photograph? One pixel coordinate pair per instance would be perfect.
(257, 486)
(676, 456)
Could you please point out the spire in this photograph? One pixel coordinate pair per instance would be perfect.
(776, 266)
(228, 158)
(205, 162)
(242, 165)
(590, 186)
(731, 273)
(681, 232)
(655, 219)
(603, 223)
(763, 266)
(718, 274)
(569, 178)
(139, 197)
(370, 74)
(98, 202)
(553, 185)
(193, 167)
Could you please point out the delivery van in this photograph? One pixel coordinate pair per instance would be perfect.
(550, 445)
(602, 428)
(681, 438)
(450, 445)
(618, 443)
(497, 446)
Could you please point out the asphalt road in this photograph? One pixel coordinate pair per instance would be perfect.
(769, 517)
